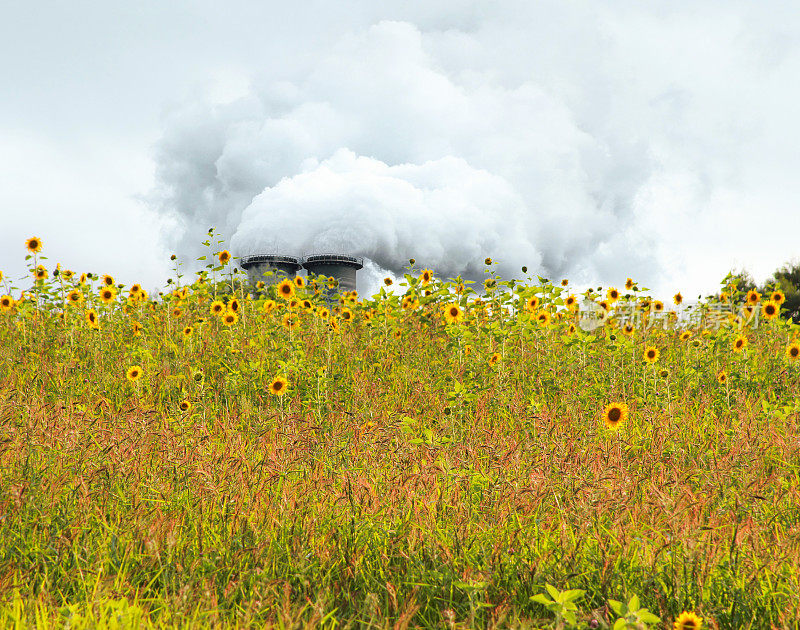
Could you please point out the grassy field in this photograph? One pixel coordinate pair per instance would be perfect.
(427, 458)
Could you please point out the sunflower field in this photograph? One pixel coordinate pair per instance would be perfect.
(443, 454)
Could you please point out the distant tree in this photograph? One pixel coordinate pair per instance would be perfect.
(787, 280)
(736, 284)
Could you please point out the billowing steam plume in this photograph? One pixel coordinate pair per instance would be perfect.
(449, 146)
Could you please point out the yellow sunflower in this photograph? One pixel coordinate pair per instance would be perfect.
(177, 312)
(685, 335)
(778, 297)
(388, 282)
(229, 319)
(565, 282)
(651, 354)
(722, 377)
(108, 281)
(6, 303)
(494, 359)
(487, 261)
(628, 329)
(91, 318)
(658, 306)
(278, 386)
(677, 298)
(612, 295)
(753, 297)
(285, 289)
(34, 244)
(629, 284)
(740, 343)
(134, 373)
(40, 273)
(269, 306)
(687, 621)
(234, 305)
(532, 304)
(324, 313)
(543, 318)
(793, 351)
(188, 332)
(615, 414)
(75, 297)
(453, 314)
(137, 329)
(770, 310)
(224, 256)
(299, 282)
(185, 405)
(107, 295)
(346, 315)
(217, 307)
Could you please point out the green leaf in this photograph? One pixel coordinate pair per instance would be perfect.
(554, 592)
(620, 624)
(633, 604)
(572, 595)
(541, 599)
(616, 606)
(648, 617)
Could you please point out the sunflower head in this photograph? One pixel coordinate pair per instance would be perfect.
(107, 295)
(185, 405)
(770, 310)
(604, 304)
(615, 414)
(687, 621)
(612, 295)
(628, 329)
(651, 354)
(753, 297)
(572, 329)
(793, 351)
(722, 377)
(299, 282)
(6, 303)
(188, 331)
(269, 306)
(658, 306)
(40, 272)
(108, 281)
(34, 244)
(177, 312)
(229, 318)
(571, 302)
(91, 318)
(532, 304)
(224, 257)
(453, 314)
(234, 305)
(685, 335)
(134, 373)
(487, 261)
(426, 276)
(677, 298)
(740, 343)
(543, 318)
(778, 297)
(629, 284)
(217, 307)
(285, 289)
(388, 282)
(494, 359)
(278, 386)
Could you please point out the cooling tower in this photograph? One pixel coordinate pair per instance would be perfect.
(258, 267)
(342, 268)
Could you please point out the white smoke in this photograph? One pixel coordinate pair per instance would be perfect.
(495, 137)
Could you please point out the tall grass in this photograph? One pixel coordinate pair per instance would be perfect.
(423, 468)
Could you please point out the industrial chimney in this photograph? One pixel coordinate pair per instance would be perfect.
(340, 267)
(269, 268)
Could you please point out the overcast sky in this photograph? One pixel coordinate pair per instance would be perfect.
(594, 140)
